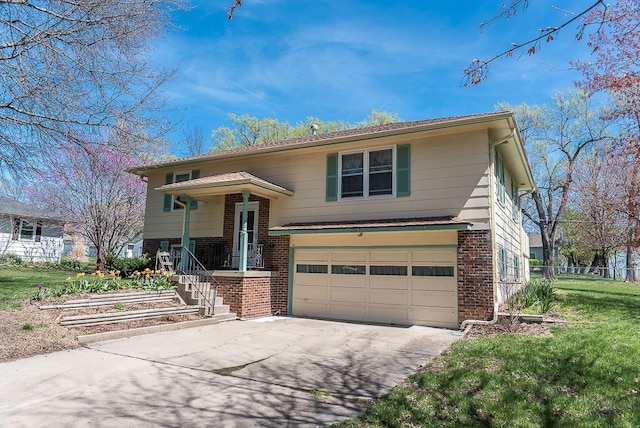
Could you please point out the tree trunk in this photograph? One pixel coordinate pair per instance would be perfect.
(548, 257)
(632, 264)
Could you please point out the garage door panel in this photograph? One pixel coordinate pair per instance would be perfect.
(312, 279)
(359, 281)
(448, 257)
(311, 292)
(310, 308)
(393, 315)
(389, 298)
(348, 295)
(312, 256)
(438, 317)
(348, 257)
(347, 312)
(388, 256)
(434, 299)
(389, 283)
(433, 284)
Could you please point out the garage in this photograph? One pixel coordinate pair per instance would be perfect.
(398, 285)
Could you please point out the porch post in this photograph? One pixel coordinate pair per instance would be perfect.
(244, 236)
(185, 234)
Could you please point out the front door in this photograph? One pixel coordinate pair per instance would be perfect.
(252, 229)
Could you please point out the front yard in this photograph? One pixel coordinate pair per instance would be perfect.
(586, 374)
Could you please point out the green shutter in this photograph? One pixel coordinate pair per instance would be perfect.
(164, 245)
(192, 246)
(194, 174)
(403, 170)
(332, 177)
(168, 200)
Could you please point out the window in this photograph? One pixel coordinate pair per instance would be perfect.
(388, 270)
(500, 180)
(367, 173)
(312, 269)
(179, 177)
(381, 172)
(347, 269)
(170, 203)
(516, 267)
(432, 271)
(514, 201)
(502, 263)
(26, 230)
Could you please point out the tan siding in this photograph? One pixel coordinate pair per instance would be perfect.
(449, 177)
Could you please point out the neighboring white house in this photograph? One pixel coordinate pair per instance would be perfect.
(29, 233)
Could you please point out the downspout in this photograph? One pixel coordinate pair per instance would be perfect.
(467, 324)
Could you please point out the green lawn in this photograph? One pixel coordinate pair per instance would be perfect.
(20, 283)
(586, 375)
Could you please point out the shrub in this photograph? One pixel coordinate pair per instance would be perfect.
(537, 294)
(128, 266)
(10, 259)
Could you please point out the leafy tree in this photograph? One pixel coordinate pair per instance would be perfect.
(555, 136)
(72, 69)
(575, 247)
(88, 186)
(250, 131)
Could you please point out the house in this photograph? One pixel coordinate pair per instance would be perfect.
(409, 223)
(535, 247)
(29, 232)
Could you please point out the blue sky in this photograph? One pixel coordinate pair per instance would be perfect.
(338, 60)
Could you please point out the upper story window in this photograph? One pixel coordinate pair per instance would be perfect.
(367, 173)
(170, 201)
(382, 172)
(500, 179)
(179, 177)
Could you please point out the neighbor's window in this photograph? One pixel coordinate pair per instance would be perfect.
(367, 173)
(179, 177)
(27, 230)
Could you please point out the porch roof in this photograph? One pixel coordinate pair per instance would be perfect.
(223, 184)
(392, 225)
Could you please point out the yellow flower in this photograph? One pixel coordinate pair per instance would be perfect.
(80, 275)
(68, 279)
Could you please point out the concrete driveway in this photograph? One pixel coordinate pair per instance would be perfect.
(270, 372)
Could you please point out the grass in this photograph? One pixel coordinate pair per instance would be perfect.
(20, 283)
(587, 374)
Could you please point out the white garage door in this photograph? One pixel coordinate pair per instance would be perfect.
(402, 286)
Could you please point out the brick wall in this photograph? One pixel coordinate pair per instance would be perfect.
(476, 293)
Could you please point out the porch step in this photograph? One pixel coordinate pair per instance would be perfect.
(113, 298)
(115, 317)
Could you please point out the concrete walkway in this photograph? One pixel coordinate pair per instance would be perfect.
(270, 372)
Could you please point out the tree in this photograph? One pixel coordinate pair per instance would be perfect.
(555, 137)
(478, 70)
(72, 69)
(194, 143)
(88, 186)
(250, 131)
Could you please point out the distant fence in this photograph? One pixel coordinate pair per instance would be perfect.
(610, 272)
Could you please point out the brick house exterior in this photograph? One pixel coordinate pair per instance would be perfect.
(408, 223)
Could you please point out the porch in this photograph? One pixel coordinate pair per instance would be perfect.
(249, 266)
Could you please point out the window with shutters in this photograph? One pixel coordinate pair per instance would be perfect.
(367, 173)
(179, 177)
